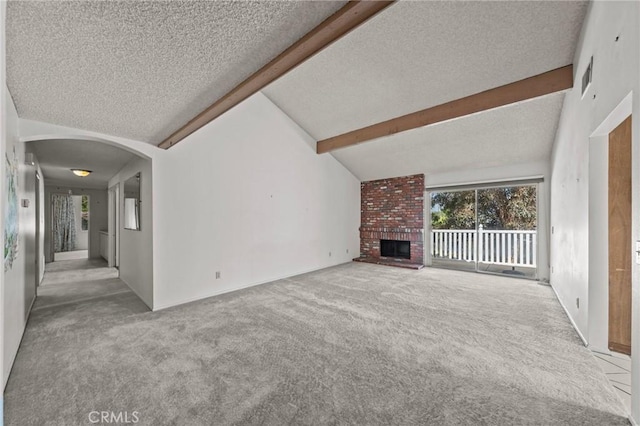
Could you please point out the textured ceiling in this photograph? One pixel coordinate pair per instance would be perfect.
(142, 69)
(57, 157)
(514, 134)
(415, 55)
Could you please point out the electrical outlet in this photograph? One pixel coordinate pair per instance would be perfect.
(218, 275)
(578, 302)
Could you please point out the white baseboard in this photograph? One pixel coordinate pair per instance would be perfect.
(573, 323)
(84, 299)
(241, 287)
(600, 350)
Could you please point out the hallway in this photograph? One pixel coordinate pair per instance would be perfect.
(76, 281)
(78, 302)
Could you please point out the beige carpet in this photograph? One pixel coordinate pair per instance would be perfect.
(353, 344)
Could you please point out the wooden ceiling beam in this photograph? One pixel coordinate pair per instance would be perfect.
(529, 88)
(353, 14)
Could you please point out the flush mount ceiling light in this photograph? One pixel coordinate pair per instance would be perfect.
(81, 172)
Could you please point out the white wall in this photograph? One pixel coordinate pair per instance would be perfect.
(506, 173)
(576, 272)
(248, 196)
(136, 247)
(20, 280)
(3, 143)
(98, 219)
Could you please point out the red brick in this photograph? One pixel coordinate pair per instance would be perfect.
(392, 209)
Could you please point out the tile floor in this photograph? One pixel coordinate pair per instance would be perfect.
(617, 367)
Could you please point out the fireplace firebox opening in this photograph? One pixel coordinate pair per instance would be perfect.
(395, 248)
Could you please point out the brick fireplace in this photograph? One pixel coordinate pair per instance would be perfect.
(392, 212)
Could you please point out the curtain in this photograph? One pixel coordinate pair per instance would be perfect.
(64, 223)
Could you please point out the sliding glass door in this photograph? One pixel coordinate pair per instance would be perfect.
(507, 230)
(486, 229)
(453, 230)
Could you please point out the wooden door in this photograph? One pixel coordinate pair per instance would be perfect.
(620, 238)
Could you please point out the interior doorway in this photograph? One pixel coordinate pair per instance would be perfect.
(38, 264)
(114, 226)
(70, 226)
(619, 197)
(489, 229)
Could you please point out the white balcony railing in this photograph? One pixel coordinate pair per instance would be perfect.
(509, 248)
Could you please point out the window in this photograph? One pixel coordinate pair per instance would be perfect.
(85, 213)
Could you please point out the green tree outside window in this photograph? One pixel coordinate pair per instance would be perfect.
(85, 213)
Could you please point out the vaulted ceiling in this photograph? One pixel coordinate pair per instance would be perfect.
(143, 69)
(415, 55)
(515, 134)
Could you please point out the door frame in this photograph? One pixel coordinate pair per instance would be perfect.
(38, 265)
(619, 282)
(597, 338)
(52, 249)
(114, 226)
